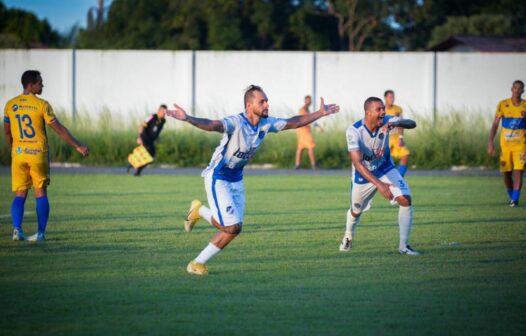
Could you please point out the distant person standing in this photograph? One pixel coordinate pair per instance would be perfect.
(305, 140)
(399, 151)
(149, 133)
(512, 111)
(25, 119)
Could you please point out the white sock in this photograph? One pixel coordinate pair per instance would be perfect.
(405, 220)
(205, 214)
(351, 224)
(207, 253)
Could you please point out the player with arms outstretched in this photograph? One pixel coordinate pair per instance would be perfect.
(25, 117)
(373, 169)
(242, 135)
(512, 112)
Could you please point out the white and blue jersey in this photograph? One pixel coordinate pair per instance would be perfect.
(239, 144)
(224, 175)
(376, 156)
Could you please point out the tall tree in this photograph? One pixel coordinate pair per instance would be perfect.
(22, 29)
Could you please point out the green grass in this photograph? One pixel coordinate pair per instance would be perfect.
(115, 259)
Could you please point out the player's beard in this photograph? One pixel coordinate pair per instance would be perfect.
(263, 114)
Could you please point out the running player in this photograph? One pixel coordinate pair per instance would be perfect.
(242, 135)
(512, 111)
(373, 169)
(397, 146)
(25, 117)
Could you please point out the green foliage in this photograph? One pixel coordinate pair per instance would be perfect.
(454, 140)
(114, 262)
(22, 29)
(476, 25)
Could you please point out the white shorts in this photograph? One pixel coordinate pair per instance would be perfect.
(226, 200)
(362, 194)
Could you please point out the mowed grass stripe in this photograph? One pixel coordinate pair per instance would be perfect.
(116, 255)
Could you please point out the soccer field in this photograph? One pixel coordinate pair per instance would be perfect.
(115, 261)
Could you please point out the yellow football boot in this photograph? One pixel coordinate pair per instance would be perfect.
(196, 268)
(193, 215)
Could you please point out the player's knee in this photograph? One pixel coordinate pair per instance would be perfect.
(356, 213)
(404, 200)
(233, 229)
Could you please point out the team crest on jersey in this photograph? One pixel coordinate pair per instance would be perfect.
(523, 113)
(381, 136)
(261, 135)
(14, 108)
(19, 150)
(503, 163)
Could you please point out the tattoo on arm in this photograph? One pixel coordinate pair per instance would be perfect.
(206, 124)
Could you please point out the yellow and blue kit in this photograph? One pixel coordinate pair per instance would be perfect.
(397, 151)
(512, 135)
(27, 115)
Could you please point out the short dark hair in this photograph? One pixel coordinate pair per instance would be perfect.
(369, 101)
(518, 81)
(249, 93)
(30, 77)
(163, 106)
(388, 92)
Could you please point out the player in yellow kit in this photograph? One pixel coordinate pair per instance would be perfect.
(396, 137)
(512, 111)
(25, 117)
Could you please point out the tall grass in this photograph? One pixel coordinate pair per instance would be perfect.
(454, 140)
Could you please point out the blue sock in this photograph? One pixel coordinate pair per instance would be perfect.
(510, 193)
(17, 211)
(515, 195)
(402, 169)
(42, 213)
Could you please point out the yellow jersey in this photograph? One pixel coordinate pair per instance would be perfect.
(27, 116)
(513, 133)
(396, 111)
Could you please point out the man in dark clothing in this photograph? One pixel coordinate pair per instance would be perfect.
(149, 132)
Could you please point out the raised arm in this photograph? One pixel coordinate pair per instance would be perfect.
(64, 133)
(205, 124)
(383, 188)
(492, 133)
(303, 120)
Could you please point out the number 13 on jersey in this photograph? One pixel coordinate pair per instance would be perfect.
(25, 126)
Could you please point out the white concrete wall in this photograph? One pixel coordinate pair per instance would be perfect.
(476, 82)
(222, 78)
(55, 66)
(350, 78)
(133, 83)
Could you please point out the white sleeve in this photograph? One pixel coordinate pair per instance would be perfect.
(352, 139)
(229, 124)
(276, 124)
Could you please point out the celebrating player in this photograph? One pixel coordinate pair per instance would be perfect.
(242, 135)
(25, 117)
(373, 169)
(397, 146)
(512, 111)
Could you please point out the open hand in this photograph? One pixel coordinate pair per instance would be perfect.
(328, 109)
(179, 113)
